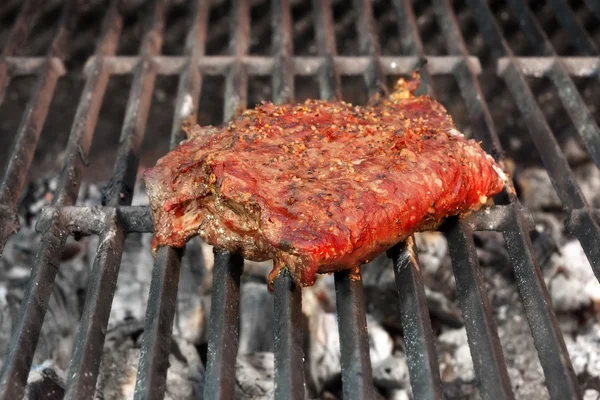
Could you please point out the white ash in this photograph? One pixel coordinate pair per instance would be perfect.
(65, 304)
(256, 319)
(571, 280)
(322, 341)
(254, 376)
(455, 356)
(537, 192)
(591, 394)
(133, 281)
(434, 262)
(118, 370)
(584, 351)
(380, 342)
(398, 394)
(575, 153)
(46, 381)
(392, 372)
(381, 293)
(324, 350)
(520, 354)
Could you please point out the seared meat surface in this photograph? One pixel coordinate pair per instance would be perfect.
(320, 186)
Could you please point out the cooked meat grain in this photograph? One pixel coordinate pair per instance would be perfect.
(320, 186)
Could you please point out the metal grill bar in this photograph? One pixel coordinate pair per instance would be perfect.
(289, 338)
(283, 68)
(306, 66)
(369, 45)
(411, 40)
(223, 329)
(357, 377)
(594, 6)
(17, 361)
(329, 78)
(567, 91)
(53, 237)
(566, 17)
(154, 354)
(486, 352)
(224, 310)
(91, 220)
(88, 109)
(418, 335)
(26, 331)
(156, 347)
(287, 317)
(33, 118)
(583, 227)
(120, 188)
(488, 360)
(19, 33)
(190, 77)
(583, 67)
(546, 332)
(416, 325)
(236, 85)
(83, 370)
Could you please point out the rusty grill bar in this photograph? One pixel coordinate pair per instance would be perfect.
(118, 218)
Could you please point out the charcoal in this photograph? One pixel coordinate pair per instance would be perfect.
(574, 151)
(256, 319)
(323, 356)
(319, 297)
(324, 347)
(391, 373)
(537, 192)
(455, 356)
(461, 389)
(254, 376)
(118, 369)
(45, 381)
(133, 281)
(571, 281)
(588, 177)
(381, 292)
(551, 224)
(492, 252)
(525, 371)
(380, 342)
(191, 319)
(443, 309)
(65, 304)
(544, 248)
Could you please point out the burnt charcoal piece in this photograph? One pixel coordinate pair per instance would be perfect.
(320, 186)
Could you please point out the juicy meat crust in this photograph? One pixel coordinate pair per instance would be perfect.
(320, 186)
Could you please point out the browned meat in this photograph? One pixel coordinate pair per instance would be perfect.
(320, 186)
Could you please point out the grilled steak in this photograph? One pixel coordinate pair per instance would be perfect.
(320, 186)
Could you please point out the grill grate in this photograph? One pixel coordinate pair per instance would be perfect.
(118, 218)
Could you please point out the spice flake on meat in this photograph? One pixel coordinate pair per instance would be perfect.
(320, 186)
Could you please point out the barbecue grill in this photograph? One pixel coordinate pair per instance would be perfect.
(118, 218)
